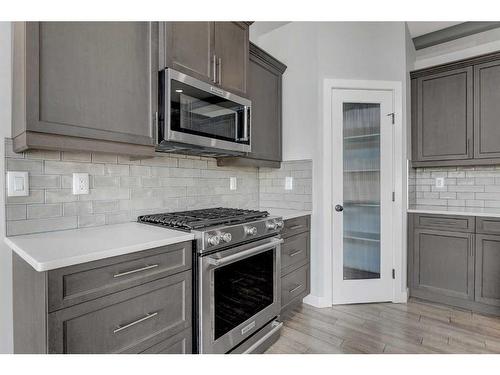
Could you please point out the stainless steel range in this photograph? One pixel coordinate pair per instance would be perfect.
(236, 276)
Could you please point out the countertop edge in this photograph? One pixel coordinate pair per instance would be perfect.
(456, 213)
(90, 257)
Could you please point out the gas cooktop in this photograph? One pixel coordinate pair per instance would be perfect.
(199, 219)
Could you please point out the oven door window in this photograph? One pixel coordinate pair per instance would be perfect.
(241, 290)
(202, 113)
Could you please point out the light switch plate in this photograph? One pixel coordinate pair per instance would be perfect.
(80, 183)
(440, 182)
(17, 184)
(233, 184)
(289, 183)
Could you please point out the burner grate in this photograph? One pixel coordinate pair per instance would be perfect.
(197, 219)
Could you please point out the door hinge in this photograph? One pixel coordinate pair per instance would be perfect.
(392, 117)
(394, 196)
(393, 273)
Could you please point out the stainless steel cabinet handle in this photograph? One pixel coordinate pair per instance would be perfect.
(295, 253)
(220, 71)
(294, 289)
(136, 270)
(144, 318)
(296, 227)
(244, 254)
(214, 67)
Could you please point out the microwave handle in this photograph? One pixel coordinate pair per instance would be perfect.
(247, 120)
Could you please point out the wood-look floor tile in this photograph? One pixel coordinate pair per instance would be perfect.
(416, 327)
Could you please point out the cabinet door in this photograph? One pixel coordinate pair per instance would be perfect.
(189, 48)
(264, 90)
(487, 110)
(231, 47)
(444, 117)
(487, 283)
(443, 263)
(94, 80)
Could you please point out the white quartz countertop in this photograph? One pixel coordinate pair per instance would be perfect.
(51, 250)
(464, 211)
(285, 213)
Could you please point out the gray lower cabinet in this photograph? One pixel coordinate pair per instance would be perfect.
(264, 90)
(214, 52)
(455, 260)
(89, 86)
(136, 303)
(443, 263)
(295, 263)
(487, 287)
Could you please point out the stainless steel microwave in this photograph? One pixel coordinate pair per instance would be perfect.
(196, 117)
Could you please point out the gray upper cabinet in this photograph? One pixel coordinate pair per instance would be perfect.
(487, 283)
(264, 90)
(487, 110)
(443, 264)
(85, 86)
(189, 48)
(455, 113)
(214, 52)
(231, 49)
(445, 116)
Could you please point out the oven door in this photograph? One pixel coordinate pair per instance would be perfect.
(197, 113)
(240, 292)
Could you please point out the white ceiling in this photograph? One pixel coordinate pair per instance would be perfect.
(420, 28)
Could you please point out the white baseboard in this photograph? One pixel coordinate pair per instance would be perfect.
(401, 297)
(317, 301)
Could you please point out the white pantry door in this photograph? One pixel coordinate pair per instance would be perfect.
(362, 149)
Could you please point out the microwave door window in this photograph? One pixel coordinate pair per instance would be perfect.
(202, 113)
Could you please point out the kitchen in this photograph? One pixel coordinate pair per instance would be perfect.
(188, 187)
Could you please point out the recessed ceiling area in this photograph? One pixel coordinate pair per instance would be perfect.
(418, 28)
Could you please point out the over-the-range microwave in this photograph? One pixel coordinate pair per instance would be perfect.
(196, 117)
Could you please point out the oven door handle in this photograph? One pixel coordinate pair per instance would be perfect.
(244, 254)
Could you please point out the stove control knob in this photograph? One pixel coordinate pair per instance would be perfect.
(250, 231)
(213, 240)
(279, 224)
(272, 225)
(226, 237)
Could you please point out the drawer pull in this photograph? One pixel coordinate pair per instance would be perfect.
(443, 222)
(294, 289)
(144, 318)
(296, 226)
(295, 253)
(136, 270)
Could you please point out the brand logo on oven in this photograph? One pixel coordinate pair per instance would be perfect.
(217, 90)
(248, 328)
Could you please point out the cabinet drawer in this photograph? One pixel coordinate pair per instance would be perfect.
(294, 285)
(76, 284)
(296, 226)
(488, 225)
(123, 321)
(453, 223)
(178, 344)
(294, 252)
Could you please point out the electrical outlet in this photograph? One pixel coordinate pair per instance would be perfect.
(17, 184)
(80, 183)
(233, 184)
(440, 182)
(289, 183)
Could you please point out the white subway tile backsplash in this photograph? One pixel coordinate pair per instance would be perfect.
(123, 188)
(471, 186)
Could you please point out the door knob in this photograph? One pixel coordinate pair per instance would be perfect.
(339, 208)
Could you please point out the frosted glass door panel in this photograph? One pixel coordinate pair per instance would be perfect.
(361, 175)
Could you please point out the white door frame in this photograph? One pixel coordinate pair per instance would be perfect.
(399, 173)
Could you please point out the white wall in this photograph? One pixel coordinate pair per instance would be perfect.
(313, 52)
(6, 345)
